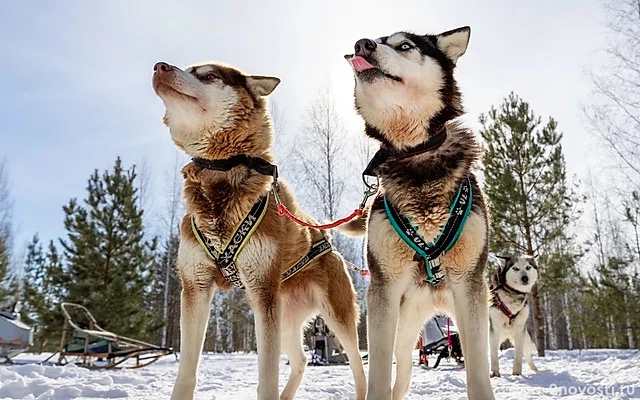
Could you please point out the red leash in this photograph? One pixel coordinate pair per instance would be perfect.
(282, 210)
(449, 344)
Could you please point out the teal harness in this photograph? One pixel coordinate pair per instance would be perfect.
(431, 253)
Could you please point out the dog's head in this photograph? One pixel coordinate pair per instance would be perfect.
(206, 99)
(404, 84)
(518, 271)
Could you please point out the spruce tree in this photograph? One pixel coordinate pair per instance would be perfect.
(42, 294)
(109, 265)
(530, 201)
(33, 283)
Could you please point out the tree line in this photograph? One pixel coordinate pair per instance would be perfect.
(585, 235)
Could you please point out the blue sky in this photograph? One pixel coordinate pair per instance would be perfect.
(75, 91)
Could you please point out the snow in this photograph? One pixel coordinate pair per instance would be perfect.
(591, 374)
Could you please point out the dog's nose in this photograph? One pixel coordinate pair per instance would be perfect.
(525, 280)
(162, 67)
(364, 47)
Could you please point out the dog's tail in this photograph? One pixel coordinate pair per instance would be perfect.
(357, 226)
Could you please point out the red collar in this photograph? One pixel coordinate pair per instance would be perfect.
(499, 304)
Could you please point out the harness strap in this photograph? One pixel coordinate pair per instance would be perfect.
(318, 249)
(500, 305)
(226, 259)
(431, 253)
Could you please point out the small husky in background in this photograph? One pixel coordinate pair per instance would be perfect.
(218, 115)
(509, 310)
(406, 93)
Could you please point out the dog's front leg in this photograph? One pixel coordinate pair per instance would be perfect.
(383, 299)
(194, 316)
(494, 344)
(518, 351)
(267, 321)
(471, 312)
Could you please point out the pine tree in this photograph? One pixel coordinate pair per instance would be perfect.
(531, 203)
(109, 265)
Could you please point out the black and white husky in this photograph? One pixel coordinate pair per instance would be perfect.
(509, 310)
(406, 93)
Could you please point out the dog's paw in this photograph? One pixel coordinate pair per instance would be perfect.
(516, 373)
(495, 374)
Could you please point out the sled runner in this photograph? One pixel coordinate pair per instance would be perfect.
(438, 338)
(100, 349)
(15, 336)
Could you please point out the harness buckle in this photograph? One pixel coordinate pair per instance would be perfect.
(436, 262)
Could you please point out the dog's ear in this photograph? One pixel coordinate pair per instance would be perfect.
(454, 43)
(505, 258)
(262, 85)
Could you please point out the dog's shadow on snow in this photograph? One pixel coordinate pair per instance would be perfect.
(546, 379)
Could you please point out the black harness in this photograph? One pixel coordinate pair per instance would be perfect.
(429, 254)
(226, 259)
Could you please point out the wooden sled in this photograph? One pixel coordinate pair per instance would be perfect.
(97, 348)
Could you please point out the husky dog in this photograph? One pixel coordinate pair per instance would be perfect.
(509, 310)
(406, 93)
(216, 112)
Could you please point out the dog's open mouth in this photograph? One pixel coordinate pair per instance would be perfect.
(366, 71)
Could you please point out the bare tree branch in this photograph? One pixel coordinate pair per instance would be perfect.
(614, 114)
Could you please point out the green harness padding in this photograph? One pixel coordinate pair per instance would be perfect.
(226, 259)
(431, 253)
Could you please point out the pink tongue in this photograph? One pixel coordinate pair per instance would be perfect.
(360, 64)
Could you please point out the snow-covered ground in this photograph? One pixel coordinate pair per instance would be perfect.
(592, 374)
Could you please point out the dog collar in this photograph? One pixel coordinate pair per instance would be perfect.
(258, 164)
(431, 253)
(385, 154)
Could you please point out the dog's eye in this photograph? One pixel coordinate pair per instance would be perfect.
(405, 47)
(209, 77)
(528, 268)
(516, 269)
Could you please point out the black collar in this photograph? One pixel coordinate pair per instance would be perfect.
(385, 153)
(258, 164)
